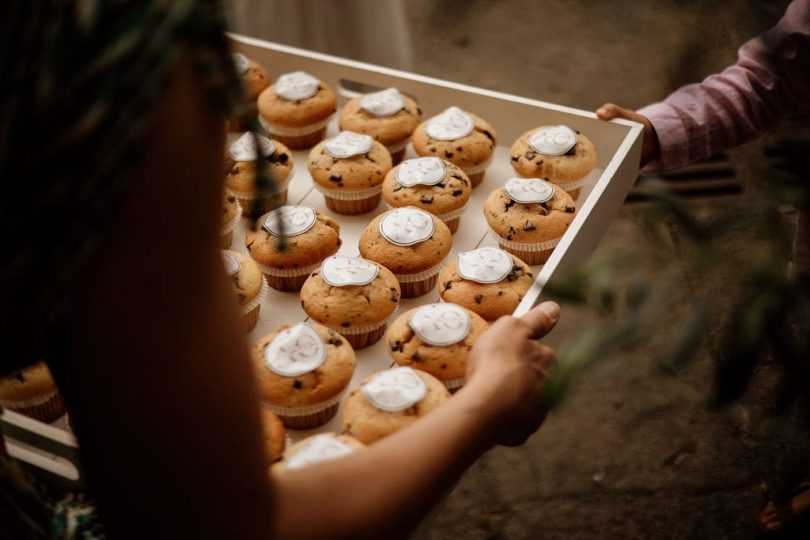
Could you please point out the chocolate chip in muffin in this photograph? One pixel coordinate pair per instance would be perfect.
(530, 155)
(298, 385)
(516, 272)
(397, 346)
(448, 285)
(335, 178)
(529, 226)
(515, 158)
(448, 154)
(416, 357)
(570, 209)
(509, 204)
(457, 192)
(345, 324)
(235, 170)
(459, 149)
(426, 199)
(572, 151)
(394, 295)
(478, 298)
(433, 149)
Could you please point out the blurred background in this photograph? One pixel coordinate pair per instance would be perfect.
(632, 450)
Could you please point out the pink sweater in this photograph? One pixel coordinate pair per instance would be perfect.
(770, 81)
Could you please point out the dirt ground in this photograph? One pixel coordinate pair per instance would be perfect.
(632, 452)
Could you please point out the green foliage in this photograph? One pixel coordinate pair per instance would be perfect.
(719, 279)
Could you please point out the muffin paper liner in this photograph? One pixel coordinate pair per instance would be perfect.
(478, 168)
(308, 416)
(46, 408)
(359, 328)
(453, 214)
(419, 276)
(33, 402)
(251, 195)
(348, 194)
(520, 246)
(398, 147)
(275, 129)
(250, 311)
(288, 272)
(454, 384)
(571, 186)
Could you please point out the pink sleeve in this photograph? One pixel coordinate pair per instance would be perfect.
(770, 81)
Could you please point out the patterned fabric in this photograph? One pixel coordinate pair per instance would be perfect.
(79, 80)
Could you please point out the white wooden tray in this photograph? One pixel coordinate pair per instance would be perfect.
(618, 145)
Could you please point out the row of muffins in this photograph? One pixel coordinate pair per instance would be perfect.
(387, 119)
(353, 171)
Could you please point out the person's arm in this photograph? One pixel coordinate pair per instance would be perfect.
(159, 385)
(385, 489)
(769, 82)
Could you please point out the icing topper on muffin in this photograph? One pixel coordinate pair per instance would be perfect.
(244, 148)
(383, 103)
(484, 265)
(453, 123)
(407, 226)
(294, 220)
(553, 141)
(295, 351)
(316, 449)
(427, 171)
(296, 86)
(240, 63)
(440, 324)
(339, 271)
(529, 190)
(231, 263)
(395, 389)
(348, 144)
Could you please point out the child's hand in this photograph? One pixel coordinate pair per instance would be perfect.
(649, 147)
(507, 372)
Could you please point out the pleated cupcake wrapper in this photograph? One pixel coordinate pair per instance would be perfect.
(252, 195)
(275, 129)
(288, 272)
(397, 147)
(478, 168)
(539, 246)
(349, 194)
(444, 217)
(419, 276)
(453, 215)
(232, 223)
(571, 186)
(454, 384)
(305, 410)
(360, 329)
(33, 402)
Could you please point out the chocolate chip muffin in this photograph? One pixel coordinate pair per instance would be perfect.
(32, 392)
(488, 281)
(240, 171)
(297, 109)
(254, 79)
(290, 242)
(250, 285)
(558, 154)
(436, 338)
(412, 244)
(432, 184)
(349, 170)
(388, 116)
(461, 138)
(353, 297)
(389, 401)
(302, 371)
(528, 216)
